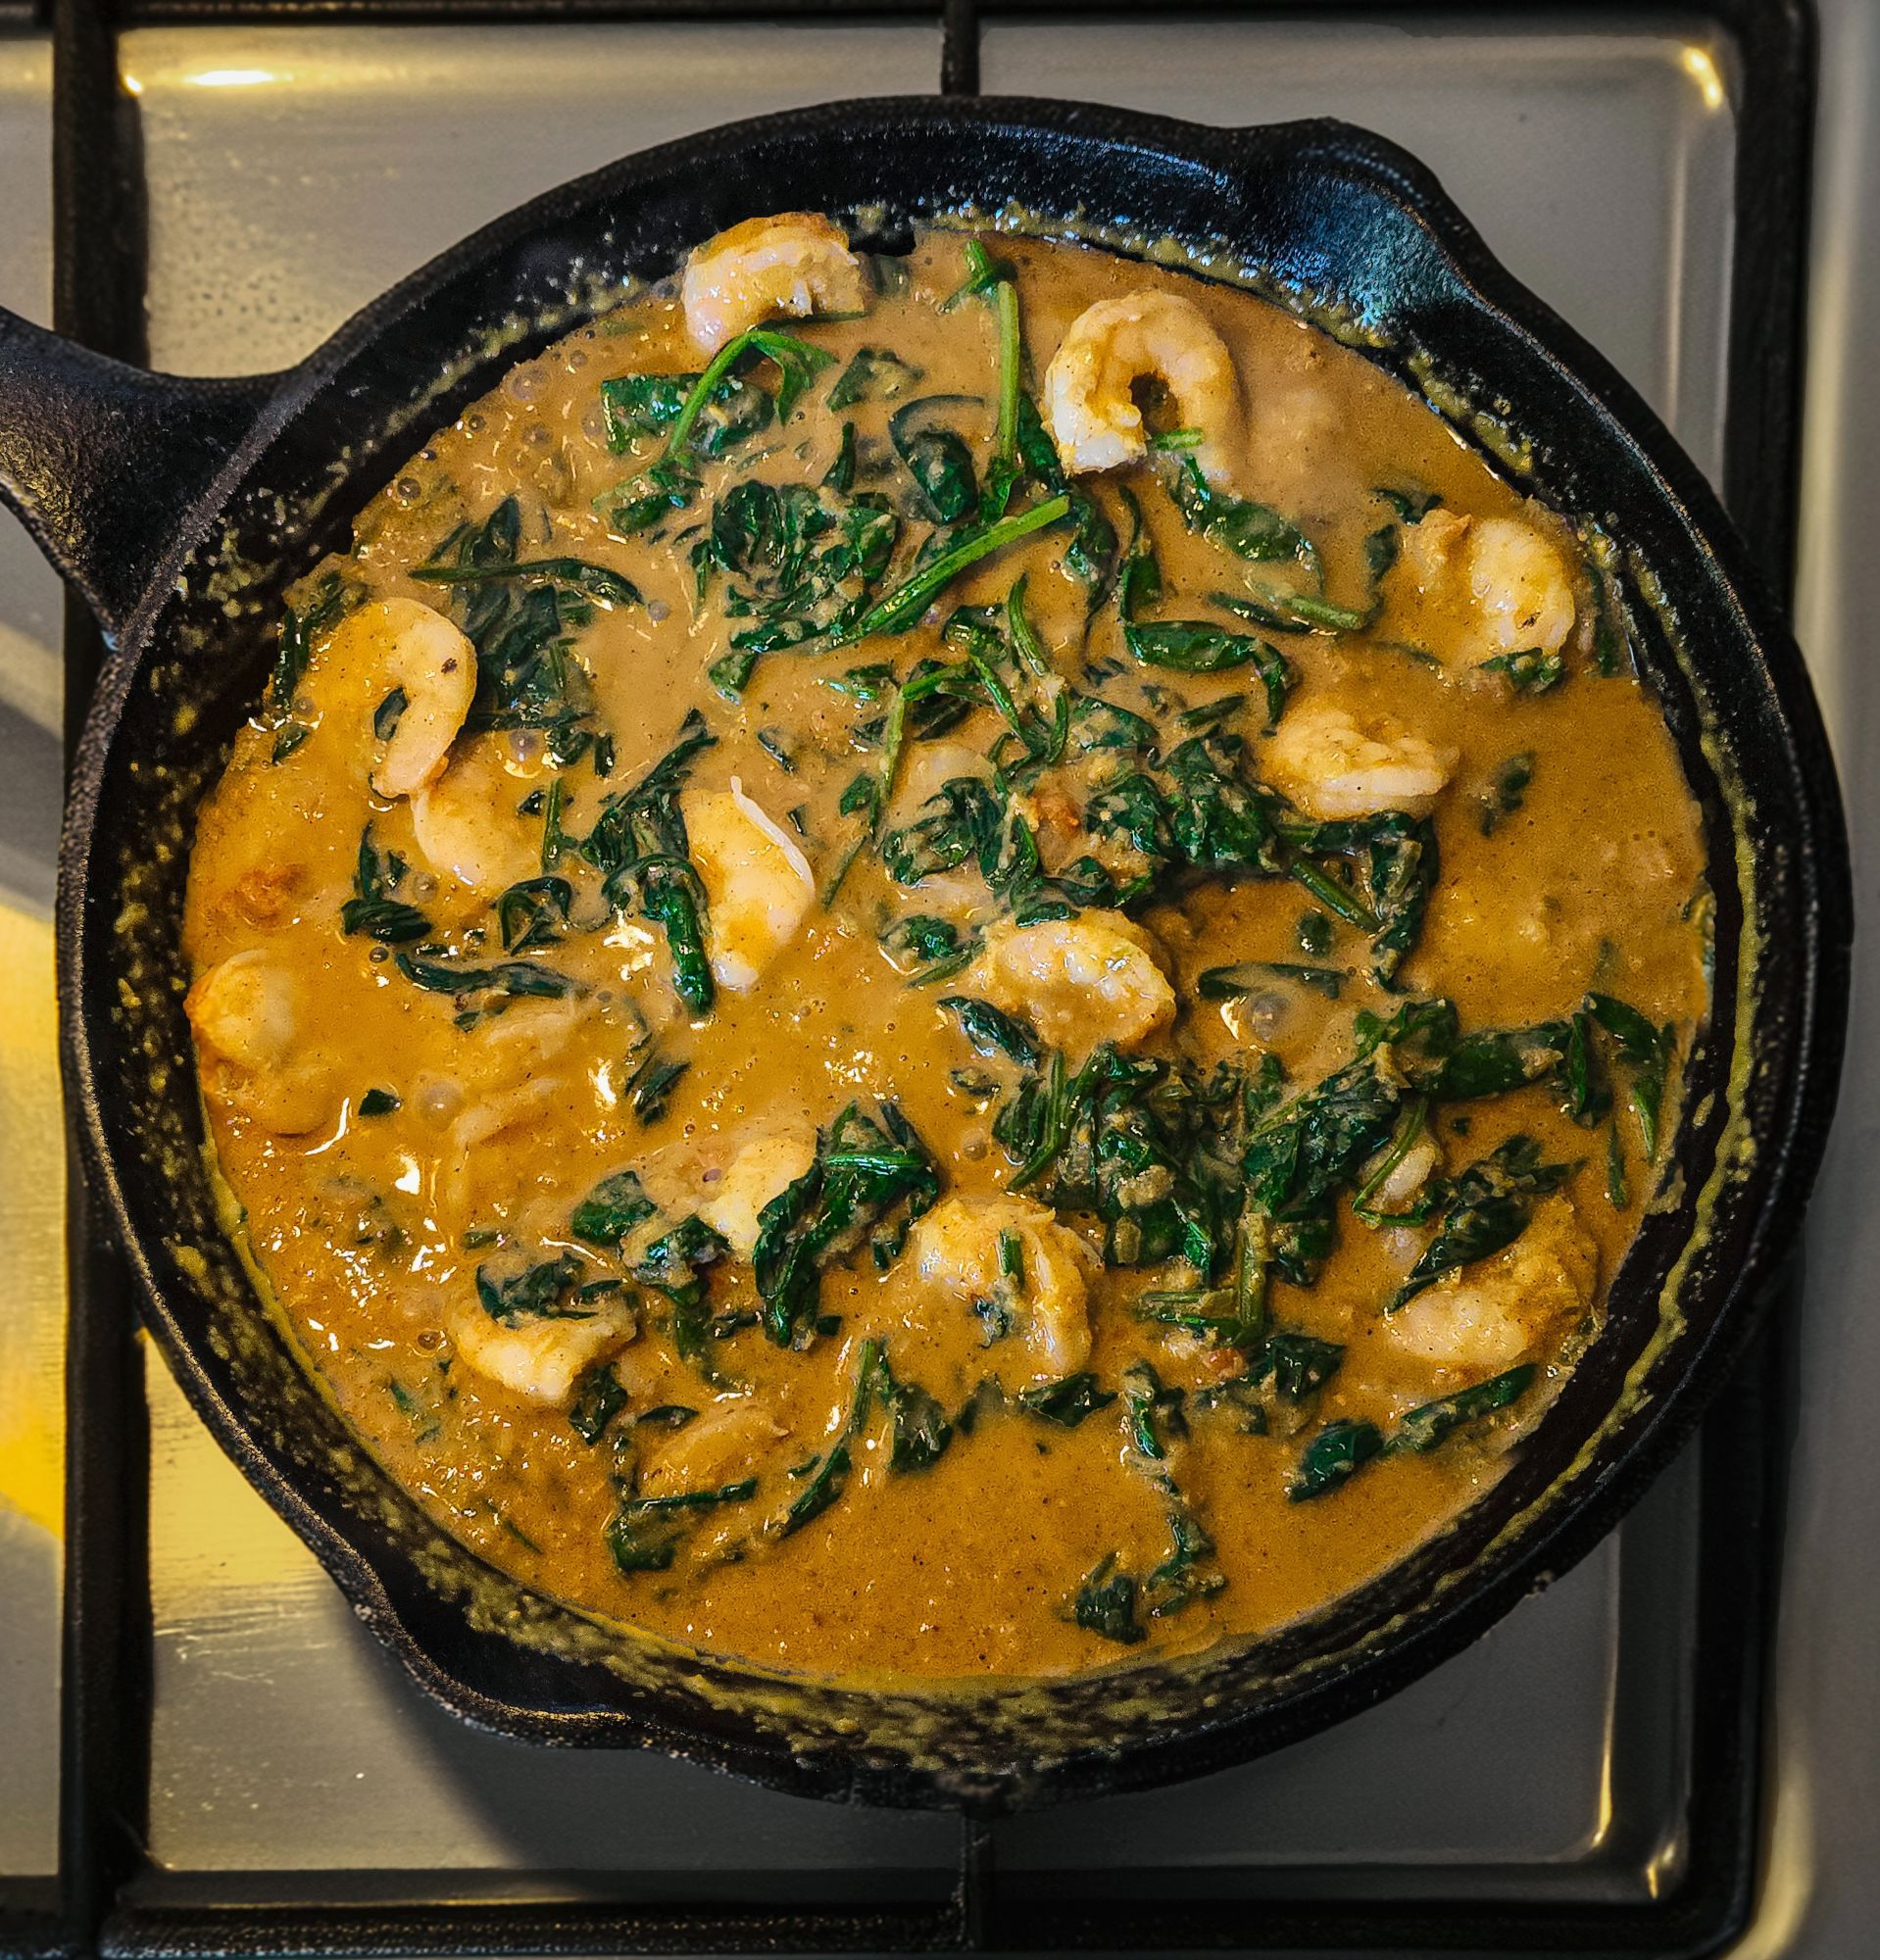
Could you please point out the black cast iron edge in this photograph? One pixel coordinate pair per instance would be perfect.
(1785, 106)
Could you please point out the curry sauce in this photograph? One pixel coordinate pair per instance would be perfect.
(948, 964)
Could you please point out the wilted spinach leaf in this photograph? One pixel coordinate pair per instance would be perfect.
(866, 1168)
(371, 909)
(639, 846)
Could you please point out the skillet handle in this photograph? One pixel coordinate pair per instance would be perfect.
(102, 461)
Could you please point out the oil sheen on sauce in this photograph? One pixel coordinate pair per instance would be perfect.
(1291, 1006)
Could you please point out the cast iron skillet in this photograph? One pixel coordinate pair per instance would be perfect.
(180, 511)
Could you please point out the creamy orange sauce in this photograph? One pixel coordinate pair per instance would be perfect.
(390, 1139)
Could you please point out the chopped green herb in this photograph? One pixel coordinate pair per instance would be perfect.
(390, 712)
(515, 978)
(332, 599)
(992, 1032)
(556, 842)
(645, 1533)
(638, 845)
(571, 574)
(1290, 611)
(1422, 1428)
(598, 1399)
(983, 273)
(649, 404)
(873, 373)
(371, 909)
(1411, 506)
(424, 1419)
(1506, 790)
(1616, 1192)
(1411, 1126)
(533, 912)
(919, 1431)
(650, 1087)
(1152, 1418)
(612, 1210)
(1315, 934)
(1333, 1455)
(1106, 1604)
(667, 1415)
(937, 458)
(1299, 1364)
(826, 1475)
(1247, 529)
(521, 627)
(928, 950)
(538, 1292)
(1227, 983)
(1489, 1207)
(1531, 672)
(904, 604)
(1067, 1402)
(1647, 1052)
(797, 362)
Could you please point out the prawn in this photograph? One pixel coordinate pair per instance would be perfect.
(1407, 1176)
(1332, 767)
(1009, 1256)
(715, 1449)
(1509, 579)
(413, 651)
(1111, 346)
(248, 1014)
(512, 1113)
(1080, 981)
(763, 1166)
(1523, 597)
(758, 883)
(796, 263)
(1489, 1316)
(540, 1359)
(468, 820)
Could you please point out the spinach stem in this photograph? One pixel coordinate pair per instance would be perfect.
(1024, 635)
(1332, 895)
(909, 598)
(893, 740)
(1005, 439)
(781, 348)
(1251, 1257)
(715, 370)
(998, 693)
(1410, 1127)
(1054, 1132)
(894, 737)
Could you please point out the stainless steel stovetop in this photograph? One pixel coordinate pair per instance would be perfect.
(293, 172)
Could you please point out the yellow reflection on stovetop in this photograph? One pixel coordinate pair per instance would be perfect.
(33, 1243)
